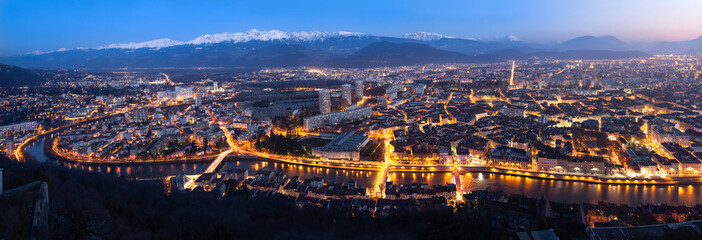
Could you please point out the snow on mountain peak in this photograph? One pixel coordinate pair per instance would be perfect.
(429, 36)
(345, 33)
(237, 37)
(425, 36)
(269, 35)
(37, 52)
(512, 38)
(158, 43)
(508, 38)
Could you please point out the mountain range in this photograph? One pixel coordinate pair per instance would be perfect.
(256, 49)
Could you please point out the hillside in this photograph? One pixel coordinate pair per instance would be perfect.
(12, 76)
(397, 54)
(87, 205)
(596, 43)
(282, 56)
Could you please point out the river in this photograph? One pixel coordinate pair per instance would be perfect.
(551, 189)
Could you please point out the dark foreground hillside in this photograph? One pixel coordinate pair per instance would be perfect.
(97, 206)
(12, 76)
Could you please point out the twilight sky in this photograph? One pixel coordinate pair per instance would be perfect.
(45, 25)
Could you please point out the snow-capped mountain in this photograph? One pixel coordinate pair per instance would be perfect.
(508, 38)
(256, 48)
(425, 36)
(158, 43)
(237, 37)
(430, 36)
(270, 35)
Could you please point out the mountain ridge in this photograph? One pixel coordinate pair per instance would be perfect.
(315, 47)
(595, 43)
(308, 36)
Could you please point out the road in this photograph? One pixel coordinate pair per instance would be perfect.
(457, 178)
(382, 179)
(232, 148)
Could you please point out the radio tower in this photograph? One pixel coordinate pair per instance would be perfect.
(511, 77)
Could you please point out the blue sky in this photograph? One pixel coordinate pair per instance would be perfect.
(45, 25)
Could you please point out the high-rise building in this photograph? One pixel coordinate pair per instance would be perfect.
(183, 93)
(419, 89)
(346, 94)
(141, 115)
(166, 96)
(9, 146)
(215, 86)
(359, 90)
(198, 101)
(392, 92)
(324, 101)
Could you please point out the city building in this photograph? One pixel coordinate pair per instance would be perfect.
(382, 102)
(278, 108)
(643, 164)
(512, 112)
(324, 101)
(80, 113)
(509, 157)
(346, 146)
(419, 89)
(316, 121)
(166, 96)
(198, 101)
(658, 231)
(183, 93)
(9, 147)
(140, 115)
(346, 94)
(667, 132)
(19, 127)
(359, 90)
(392, 92)
(569, 164)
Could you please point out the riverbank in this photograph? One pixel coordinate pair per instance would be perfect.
(49, 150)
(415, 168)
(399, 168)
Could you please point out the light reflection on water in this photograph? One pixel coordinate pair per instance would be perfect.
(550, 189)
(584, 192)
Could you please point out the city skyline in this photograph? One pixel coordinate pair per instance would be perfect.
(219, 119)
(49, 26)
